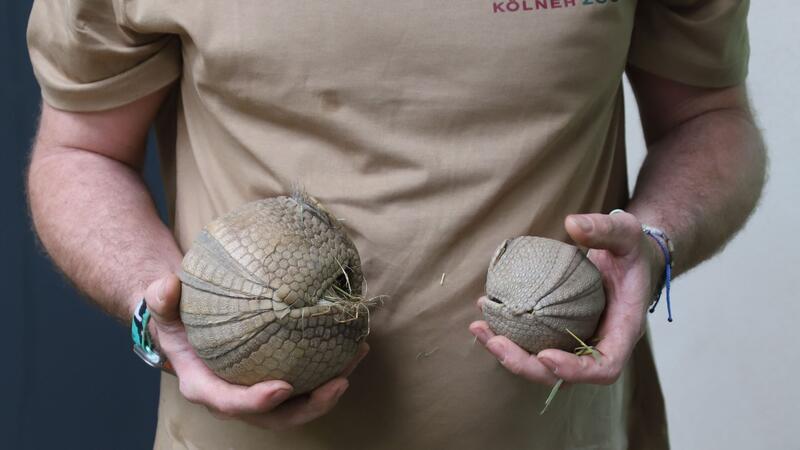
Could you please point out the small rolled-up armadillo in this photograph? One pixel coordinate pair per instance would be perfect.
(537, 289)
(273, 290)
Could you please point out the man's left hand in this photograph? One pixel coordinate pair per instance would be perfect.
(631, 266)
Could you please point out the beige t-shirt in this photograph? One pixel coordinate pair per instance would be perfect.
(435, 129)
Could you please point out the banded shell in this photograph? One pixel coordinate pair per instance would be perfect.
(272, 290)
(537, 289)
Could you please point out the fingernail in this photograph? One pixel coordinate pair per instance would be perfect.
(549, 364)
(583, 223)
(281, 395)
(497, 349)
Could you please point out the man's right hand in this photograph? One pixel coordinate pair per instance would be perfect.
(92, 210)
(263, 404)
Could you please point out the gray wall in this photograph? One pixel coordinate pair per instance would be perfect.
(727, 363)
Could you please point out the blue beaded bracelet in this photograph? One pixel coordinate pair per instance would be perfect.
(665, 244)
(666, 248)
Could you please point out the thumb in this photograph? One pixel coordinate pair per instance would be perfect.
(619, 233)
(163, 297)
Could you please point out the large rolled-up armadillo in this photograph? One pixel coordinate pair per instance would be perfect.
(538, 289)
(273, 290)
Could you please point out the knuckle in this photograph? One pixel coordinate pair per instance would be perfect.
(605, 225)
(225, 409)
(513, 365)
(610, 375)
(569, 372)
(188, 392)
(611, 227)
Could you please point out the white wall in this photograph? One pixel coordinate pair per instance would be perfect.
(730, 363)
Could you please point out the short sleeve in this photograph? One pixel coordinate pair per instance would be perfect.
(86, 56)
(697, 42)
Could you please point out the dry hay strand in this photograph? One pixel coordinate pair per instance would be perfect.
(349, 305)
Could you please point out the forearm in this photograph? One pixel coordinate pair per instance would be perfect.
(97, 221)
(700, 181)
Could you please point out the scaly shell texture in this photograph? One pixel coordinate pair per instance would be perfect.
(537, 289)
(271, 291)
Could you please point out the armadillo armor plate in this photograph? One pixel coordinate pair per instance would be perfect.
(537, 289)
(272, 290)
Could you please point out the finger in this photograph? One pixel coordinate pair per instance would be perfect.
(619, 233)
(304, 409)
(229, 399)
(579, 369)
(519, 362)
(480, 329)
(363, 349)
(614, 350)
(480, 301)
(163, 297)
(621, 327)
